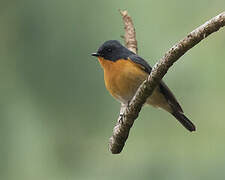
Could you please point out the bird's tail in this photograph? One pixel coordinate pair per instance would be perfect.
(184, 120)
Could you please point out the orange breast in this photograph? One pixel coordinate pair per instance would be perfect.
(122, 78)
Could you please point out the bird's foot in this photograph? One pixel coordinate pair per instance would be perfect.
(121, 118)
(122, 112)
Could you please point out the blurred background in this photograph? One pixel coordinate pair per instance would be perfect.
(56, 116)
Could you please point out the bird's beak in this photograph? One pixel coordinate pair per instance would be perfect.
(95, 54)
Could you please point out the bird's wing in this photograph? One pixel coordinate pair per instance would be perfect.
(143, 64)
(162, 86)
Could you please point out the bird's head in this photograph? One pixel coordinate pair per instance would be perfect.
(112, 50)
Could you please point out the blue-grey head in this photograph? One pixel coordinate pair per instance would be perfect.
(112, 50)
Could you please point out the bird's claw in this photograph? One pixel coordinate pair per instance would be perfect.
(122, 113)
(121, 118)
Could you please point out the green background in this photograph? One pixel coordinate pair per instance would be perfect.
(56, 116)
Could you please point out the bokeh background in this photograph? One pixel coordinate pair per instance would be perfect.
(56, 116)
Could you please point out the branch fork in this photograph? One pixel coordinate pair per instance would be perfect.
(130, 113)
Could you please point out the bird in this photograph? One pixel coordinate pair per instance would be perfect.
(124, 72)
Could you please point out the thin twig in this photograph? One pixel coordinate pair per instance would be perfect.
(121, 130)
(130, 35)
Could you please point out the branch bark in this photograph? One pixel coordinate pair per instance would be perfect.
(130, 35)
(122, 128)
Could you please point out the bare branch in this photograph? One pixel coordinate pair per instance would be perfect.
(130, 35)
(121, 130)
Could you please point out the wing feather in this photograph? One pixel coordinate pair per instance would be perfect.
(137, 59)
(162, 86)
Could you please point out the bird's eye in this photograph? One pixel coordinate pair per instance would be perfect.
(109, 50)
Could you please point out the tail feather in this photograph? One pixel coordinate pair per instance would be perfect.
(184, 121)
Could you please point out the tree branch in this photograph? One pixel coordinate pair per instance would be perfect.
(122, 128)
(130, 35)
